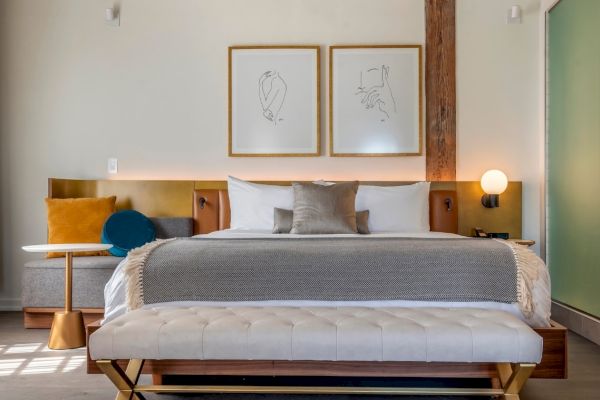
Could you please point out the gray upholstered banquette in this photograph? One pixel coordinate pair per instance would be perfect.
(43, 280)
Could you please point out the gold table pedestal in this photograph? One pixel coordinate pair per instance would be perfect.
(68, 331)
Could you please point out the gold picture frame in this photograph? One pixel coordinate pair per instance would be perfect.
(332, 150)
(317, 111)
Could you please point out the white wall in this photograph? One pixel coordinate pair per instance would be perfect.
(498, 98)
(153, 93)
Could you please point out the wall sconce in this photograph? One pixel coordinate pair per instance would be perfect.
(493, 183)
(112, 16)
(514, 15)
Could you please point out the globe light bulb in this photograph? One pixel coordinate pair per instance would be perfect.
(494, 181)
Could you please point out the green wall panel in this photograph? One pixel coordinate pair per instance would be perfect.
(573, 153)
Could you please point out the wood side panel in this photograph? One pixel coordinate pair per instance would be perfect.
(384, 369)
(41, 317)
(160, 368)
(311, 368)
(440, 88)
(157, 379)
(554, 364)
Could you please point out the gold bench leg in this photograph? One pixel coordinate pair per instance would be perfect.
(513, 377)
(133, 371)
(125, 381)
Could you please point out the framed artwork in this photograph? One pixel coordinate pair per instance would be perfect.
(375, 100)
(274, 101)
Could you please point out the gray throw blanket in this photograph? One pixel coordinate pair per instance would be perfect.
(327, 269)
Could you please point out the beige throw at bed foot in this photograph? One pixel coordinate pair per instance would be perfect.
(529, 266)
(133, 268)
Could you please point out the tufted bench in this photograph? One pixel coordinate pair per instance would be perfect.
(318, 333)
(325, 334)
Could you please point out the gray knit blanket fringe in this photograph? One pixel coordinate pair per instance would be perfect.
(331, 269)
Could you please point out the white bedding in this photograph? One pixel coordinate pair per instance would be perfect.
(115, 290)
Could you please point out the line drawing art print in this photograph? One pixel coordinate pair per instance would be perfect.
(274, 101)
(375, 91)
(375, 100)
(272, 90)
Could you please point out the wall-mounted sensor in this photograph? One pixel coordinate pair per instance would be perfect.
(514, 15)
(112, 17)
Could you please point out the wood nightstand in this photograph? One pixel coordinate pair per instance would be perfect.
(523, 242)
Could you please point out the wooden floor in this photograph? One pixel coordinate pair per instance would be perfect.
(29, 370)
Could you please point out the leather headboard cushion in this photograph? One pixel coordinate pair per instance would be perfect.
(213, 213)
(443, 211)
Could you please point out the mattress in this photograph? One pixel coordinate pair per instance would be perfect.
(115, 290)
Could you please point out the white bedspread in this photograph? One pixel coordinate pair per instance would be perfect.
(115, 290)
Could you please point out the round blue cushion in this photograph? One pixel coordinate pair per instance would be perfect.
(126, 230)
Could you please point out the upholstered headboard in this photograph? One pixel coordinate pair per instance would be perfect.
(212, 211)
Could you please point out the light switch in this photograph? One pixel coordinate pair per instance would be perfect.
(113, 165)
(112, 16)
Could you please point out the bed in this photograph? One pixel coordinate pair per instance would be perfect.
(211, 213)
(116, 305)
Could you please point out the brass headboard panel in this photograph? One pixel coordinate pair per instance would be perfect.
(175, 199)
(152, 198)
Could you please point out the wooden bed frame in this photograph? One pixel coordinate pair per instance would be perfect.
(180, 198)
(454, 207)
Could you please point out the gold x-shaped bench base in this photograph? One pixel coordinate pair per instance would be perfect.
(512, 378)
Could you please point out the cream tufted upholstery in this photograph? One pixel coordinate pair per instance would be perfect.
(318, 333)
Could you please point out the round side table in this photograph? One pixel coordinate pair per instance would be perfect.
(68, 331)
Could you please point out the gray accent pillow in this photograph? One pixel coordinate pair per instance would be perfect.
(362, 222)
(324, 209)
(170, 227)
(283, 221)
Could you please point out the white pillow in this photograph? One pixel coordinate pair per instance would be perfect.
(253, 205)
(395, 208)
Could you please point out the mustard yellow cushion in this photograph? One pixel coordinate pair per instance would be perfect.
(78, 221)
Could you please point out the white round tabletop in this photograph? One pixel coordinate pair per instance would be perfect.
(67, 247)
